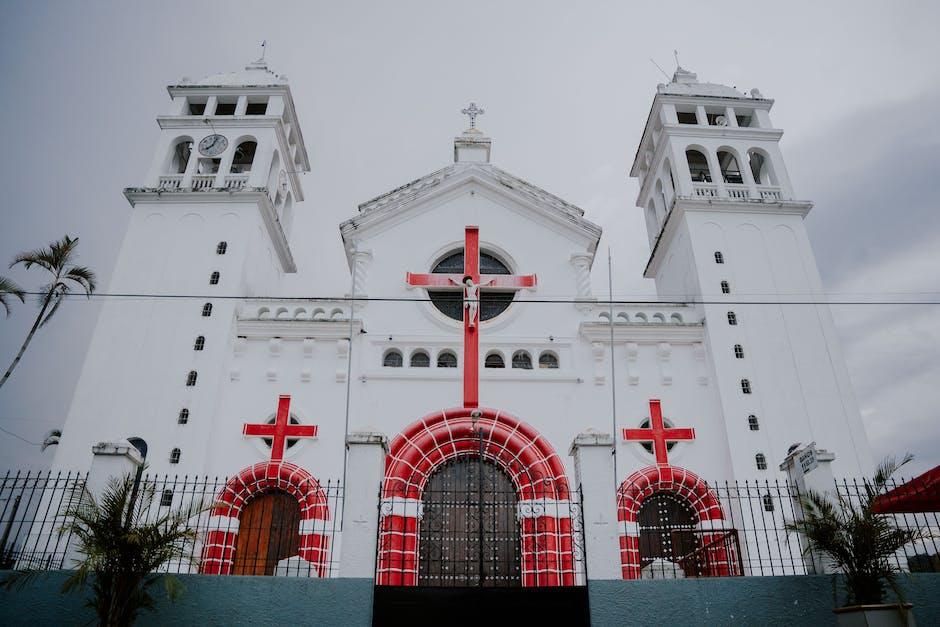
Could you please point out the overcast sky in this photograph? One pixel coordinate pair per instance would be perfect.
(566, 86)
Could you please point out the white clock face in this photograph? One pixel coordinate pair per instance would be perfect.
(213, 145)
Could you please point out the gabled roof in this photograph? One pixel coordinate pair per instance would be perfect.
(392, 202)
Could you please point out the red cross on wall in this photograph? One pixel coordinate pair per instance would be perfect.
(471, 311)
(280, 430)
(658, 433)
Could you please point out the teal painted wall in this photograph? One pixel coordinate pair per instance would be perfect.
(802, 600)
(348, 602)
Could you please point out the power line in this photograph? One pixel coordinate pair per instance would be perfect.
(537, 301)
(18, 437)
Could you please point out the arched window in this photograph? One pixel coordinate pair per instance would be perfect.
(221, 248)
(494, 360)
(738, 351)
(166, 499)
(719, 258)
(725, 287)
(214, 278)
(191, 378)
(649, 445)
(768, 503)
(175, 456)
(730, 170)
(522, 359)
(243, 157)
(393, 359)
(182, 151)
(450, 301)
(761, 460)
(446, 359)
(200, 343)
(760, 168)
(698, 166)
(745, 386)
(207, 310)
(183, 417)
(752, 423)
(420, 359)
(548, 360)
(732, 318)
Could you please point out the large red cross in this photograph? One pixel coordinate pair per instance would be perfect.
(658, 433)
(280, 430)
(471, 339)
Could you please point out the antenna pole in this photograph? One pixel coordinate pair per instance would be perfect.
(660, 69)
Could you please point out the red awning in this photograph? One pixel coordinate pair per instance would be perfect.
(921, 494)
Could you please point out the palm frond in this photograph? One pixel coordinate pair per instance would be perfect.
(84, 276)
(9, 288)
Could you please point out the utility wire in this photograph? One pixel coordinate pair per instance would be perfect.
(18, 437)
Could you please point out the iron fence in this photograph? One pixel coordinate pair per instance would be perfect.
(276, 529)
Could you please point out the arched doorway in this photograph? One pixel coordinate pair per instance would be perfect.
(666, 522)
(267, 533)
(469, 531)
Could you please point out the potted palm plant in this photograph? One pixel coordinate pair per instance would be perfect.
(860, 544)
(121, 547)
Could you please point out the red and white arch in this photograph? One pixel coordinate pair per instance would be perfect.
(686, 485)
(531, 462)
(219, 551)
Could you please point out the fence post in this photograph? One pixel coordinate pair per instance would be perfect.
(809, 468)
(594, 471)
(111, 459)
(366, 467)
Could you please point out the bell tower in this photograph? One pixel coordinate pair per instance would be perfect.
(726, 231)
(210, 223)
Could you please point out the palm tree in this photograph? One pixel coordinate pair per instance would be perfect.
(122, 545)
(58, 260)
(860, 543)
(9, 288)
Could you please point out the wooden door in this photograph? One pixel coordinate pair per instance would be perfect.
(665, 521)
(469, 534)
(268, 531)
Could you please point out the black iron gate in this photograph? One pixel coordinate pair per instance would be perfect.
(469, 533)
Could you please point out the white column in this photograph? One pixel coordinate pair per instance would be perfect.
(241, 105)
(810, 469)
(366, 467)
(594, 471)
(582, 275)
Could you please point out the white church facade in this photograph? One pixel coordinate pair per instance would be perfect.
(470, 336)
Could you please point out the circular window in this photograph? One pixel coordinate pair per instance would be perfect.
(450, 302)
(290, 441)
(649, 445)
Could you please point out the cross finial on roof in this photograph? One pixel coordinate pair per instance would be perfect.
(472, 112)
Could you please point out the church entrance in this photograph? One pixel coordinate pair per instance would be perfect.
(267, 533)
(666, 524)
(469, 531)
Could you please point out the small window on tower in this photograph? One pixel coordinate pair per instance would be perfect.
(175, 456)
(196, 107)
(221, 248)
(200, 343)
(214, 278)
(522, 360)
(257, 107)
(494, 360)
(166, 499)
(732, 318)
(719, 258)
(738, 351)
(207, 310)
(768, 503)
(183, 417)
(446, 359)
(686, 117)
(393, 359)
(698, 166)
(761, 461)
(752, 423)
(225, 107)
(548, 360)
(243, 158)
(191, 378)
(745, 386)
(725, 287)
(181, 154)
(420, 359)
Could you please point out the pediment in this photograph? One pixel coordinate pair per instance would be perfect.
(399, 204)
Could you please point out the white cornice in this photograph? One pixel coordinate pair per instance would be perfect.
(257, 196)
(647, 333)
(296, 329)
(682, 205)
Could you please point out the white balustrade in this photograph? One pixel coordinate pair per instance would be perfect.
(708, 190)
(769, 193)
(171, 181)
(737, 191)
(203, 181)
(236, 181)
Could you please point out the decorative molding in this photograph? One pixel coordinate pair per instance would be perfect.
(296, 329)
(342, 355)
(642, 333)
(698, 351)
(664, 352)
(633, 370)
(598, 350)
